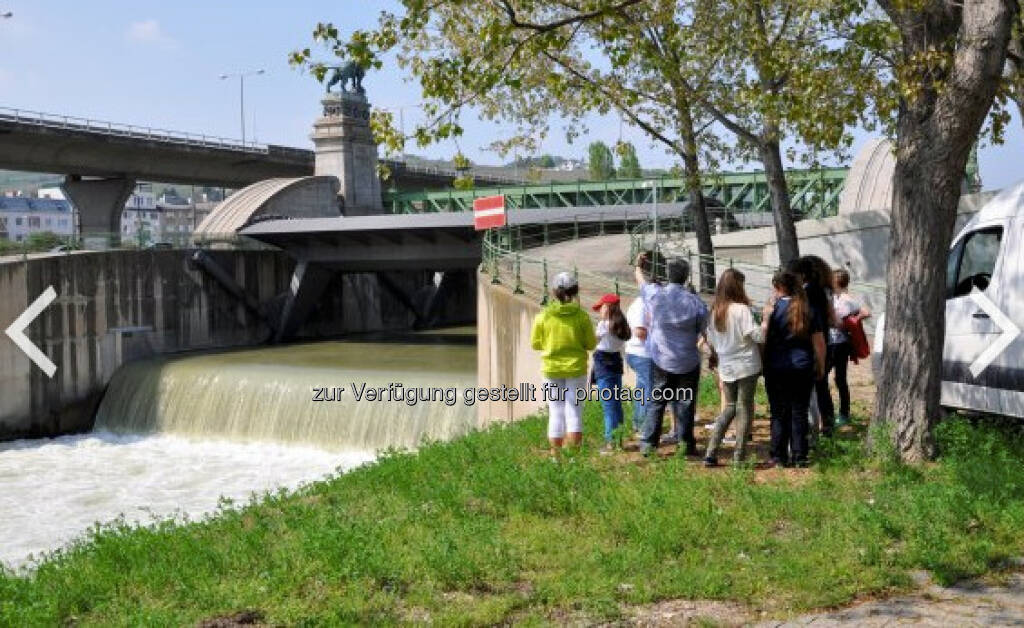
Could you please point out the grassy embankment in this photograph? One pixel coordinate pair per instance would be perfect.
(486, 529)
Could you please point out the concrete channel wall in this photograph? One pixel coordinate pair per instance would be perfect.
(504, 354)
(117, 306)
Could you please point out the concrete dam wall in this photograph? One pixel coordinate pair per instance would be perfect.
(503, 352)
(113, 307)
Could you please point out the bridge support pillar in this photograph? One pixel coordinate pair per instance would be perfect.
(345, 148)
(309, 280)
(99, 203)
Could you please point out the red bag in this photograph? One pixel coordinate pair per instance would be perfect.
(859, 347)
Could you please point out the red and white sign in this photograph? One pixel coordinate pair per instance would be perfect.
(489, 212)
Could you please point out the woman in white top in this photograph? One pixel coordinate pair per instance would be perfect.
(734, 338)
(638, 359)
(845, 305)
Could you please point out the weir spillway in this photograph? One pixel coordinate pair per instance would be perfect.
(336, 395)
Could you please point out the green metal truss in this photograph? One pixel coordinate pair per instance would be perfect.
(813, 193)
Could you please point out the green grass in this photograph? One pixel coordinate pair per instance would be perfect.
(487, 529)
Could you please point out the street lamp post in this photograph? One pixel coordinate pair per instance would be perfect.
(653, 184)
(241, 94)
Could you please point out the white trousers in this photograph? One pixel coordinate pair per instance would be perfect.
(565, 414)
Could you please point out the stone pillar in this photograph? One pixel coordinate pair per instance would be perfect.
(99, 203)
(345, 148)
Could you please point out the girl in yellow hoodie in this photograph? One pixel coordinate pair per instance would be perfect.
(564, 334)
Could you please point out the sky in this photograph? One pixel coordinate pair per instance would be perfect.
(158, 64)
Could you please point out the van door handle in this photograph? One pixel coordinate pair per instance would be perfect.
(980, 314)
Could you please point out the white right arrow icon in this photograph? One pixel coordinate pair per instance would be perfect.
(17, 332)
(1008, 327)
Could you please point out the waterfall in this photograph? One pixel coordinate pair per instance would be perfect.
(269, 394)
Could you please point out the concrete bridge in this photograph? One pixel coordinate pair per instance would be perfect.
(103, 161)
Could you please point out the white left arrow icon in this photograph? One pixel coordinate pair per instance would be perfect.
(17, 332)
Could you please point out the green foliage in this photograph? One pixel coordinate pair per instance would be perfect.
(38, 242)
(43, 240)
(461, 162)
(486, 529)
(600, 162)
(629, 164)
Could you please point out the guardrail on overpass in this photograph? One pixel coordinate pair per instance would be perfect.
(72, 123)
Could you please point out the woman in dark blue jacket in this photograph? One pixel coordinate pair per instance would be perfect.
(794, 358)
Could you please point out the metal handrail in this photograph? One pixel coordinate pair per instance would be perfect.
(59, 121)
(505, 249)
(664, 182)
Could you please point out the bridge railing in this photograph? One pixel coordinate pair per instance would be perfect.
(72, 123)
(50, 244)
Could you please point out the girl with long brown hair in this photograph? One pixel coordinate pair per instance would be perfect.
(817, 283)
(733, 337)
(794, 359)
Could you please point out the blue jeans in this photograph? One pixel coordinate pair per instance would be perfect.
(610, 403)
(678, 390)
(642, 367)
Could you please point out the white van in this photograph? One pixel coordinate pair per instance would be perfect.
(987, 255)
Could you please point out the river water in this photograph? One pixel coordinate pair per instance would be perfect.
(175, 435)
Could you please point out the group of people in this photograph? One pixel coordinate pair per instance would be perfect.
(803, 335)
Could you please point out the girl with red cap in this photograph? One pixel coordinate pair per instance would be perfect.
(612, 333)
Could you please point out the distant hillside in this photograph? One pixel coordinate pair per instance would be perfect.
(521, 171)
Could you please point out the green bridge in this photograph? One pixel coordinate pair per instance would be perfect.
(813, 193)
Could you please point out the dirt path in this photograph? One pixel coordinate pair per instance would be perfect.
(967, 604)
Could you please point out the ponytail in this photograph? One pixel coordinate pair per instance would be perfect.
(798, 315)
(617, 323)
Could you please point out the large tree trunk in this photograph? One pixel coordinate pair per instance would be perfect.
(926, 192)
(935, 132)
(694, 183)
(782, 213)
(1016, 68)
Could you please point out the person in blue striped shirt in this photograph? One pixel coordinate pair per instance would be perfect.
(677, 318)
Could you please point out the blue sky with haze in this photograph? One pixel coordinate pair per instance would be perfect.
(157, 64)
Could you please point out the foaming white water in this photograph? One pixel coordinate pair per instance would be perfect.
(53, 490)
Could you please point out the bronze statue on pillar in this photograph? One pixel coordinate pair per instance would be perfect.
(350, 73)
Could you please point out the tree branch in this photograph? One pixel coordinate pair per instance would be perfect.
(517, 22)
(617, 104)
